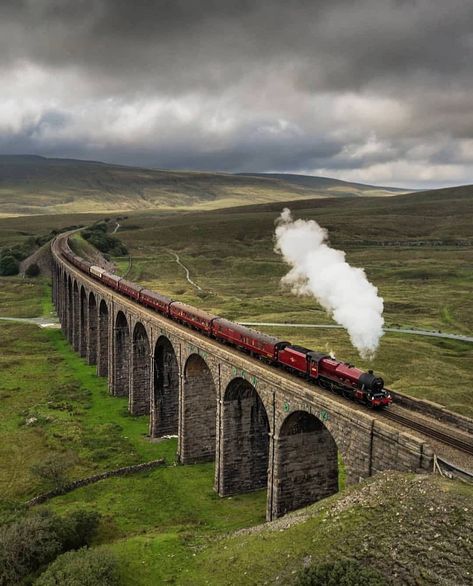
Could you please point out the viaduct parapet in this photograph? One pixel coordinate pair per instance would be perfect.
(263, 427)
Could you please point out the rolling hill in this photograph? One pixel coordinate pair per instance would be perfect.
(335, 186)
(31, 184)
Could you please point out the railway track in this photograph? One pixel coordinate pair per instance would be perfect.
(429, 431)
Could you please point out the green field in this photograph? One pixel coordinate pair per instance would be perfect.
(168, 526)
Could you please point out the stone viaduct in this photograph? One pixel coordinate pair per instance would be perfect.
(263, 427)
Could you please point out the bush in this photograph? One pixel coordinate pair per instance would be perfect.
(11, 510)
(340, 573)
(101, 226)
(78, 528)
(33, 270)
(104, 242)
(54, 470)
(85, 566)
(19, 251)
(26, 545)
(37, 539)
(8, 265)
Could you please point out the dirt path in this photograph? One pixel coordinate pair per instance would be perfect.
(188, 277)
(42, 322)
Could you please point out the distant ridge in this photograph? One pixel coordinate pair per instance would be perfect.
(318, 182)
(32, 184)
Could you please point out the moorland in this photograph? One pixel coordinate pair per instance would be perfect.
(40, 185)
(167, 525)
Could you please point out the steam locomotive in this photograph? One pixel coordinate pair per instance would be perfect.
(339, 377)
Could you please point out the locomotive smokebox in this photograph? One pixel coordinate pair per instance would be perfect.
(371, 382)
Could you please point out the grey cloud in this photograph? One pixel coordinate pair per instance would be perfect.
(261, 63)
(172, 44)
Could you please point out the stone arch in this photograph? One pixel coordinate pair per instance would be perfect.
(83, 319)
(69, 309)
(121, 358)
(140, 372)
(75, 316)
(305, 463)
(164, 418)
(244, 440)
(92, 329)
(102, 340)
(56, 282)
(198, 412)
(64, 302)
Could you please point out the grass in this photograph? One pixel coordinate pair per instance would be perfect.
(23, 297)
(369, 523)
(168, 525)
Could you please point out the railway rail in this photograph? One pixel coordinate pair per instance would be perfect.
(424, 428)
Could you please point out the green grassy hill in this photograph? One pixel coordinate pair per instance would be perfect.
(37, 185)
(337, 186)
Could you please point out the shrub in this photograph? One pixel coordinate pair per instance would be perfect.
(33, 270)
(85, 566)
(19, 251)
(101, 226)
(8, 265)
(11, 510)
(78, 528)
(26, 545)
(104, 242)
(340, 573)
(54, 470)
(37, 539)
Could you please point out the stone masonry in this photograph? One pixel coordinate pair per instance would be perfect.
(199, 410)
(140, 372)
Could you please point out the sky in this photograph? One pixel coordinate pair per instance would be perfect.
(374, 91)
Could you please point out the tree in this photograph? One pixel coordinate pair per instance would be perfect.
(8, 265)
(29, 543)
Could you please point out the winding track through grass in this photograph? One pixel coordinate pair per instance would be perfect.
(188, 276)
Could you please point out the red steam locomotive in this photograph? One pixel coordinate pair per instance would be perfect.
(329, 373)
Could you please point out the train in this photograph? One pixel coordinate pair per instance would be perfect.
(324, 370)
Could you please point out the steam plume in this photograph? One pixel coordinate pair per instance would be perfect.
(321, 271)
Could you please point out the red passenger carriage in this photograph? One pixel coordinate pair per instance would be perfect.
(250, 340)
(155, 300)
(191, 316)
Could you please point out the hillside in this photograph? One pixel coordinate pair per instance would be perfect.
(411, 529)
(442, 215)
(336, 186)
(31, 184)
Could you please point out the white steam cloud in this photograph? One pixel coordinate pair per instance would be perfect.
(342, 290)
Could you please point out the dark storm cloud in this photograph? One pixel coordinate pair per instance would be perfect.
(263, 85)
(330, 44)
